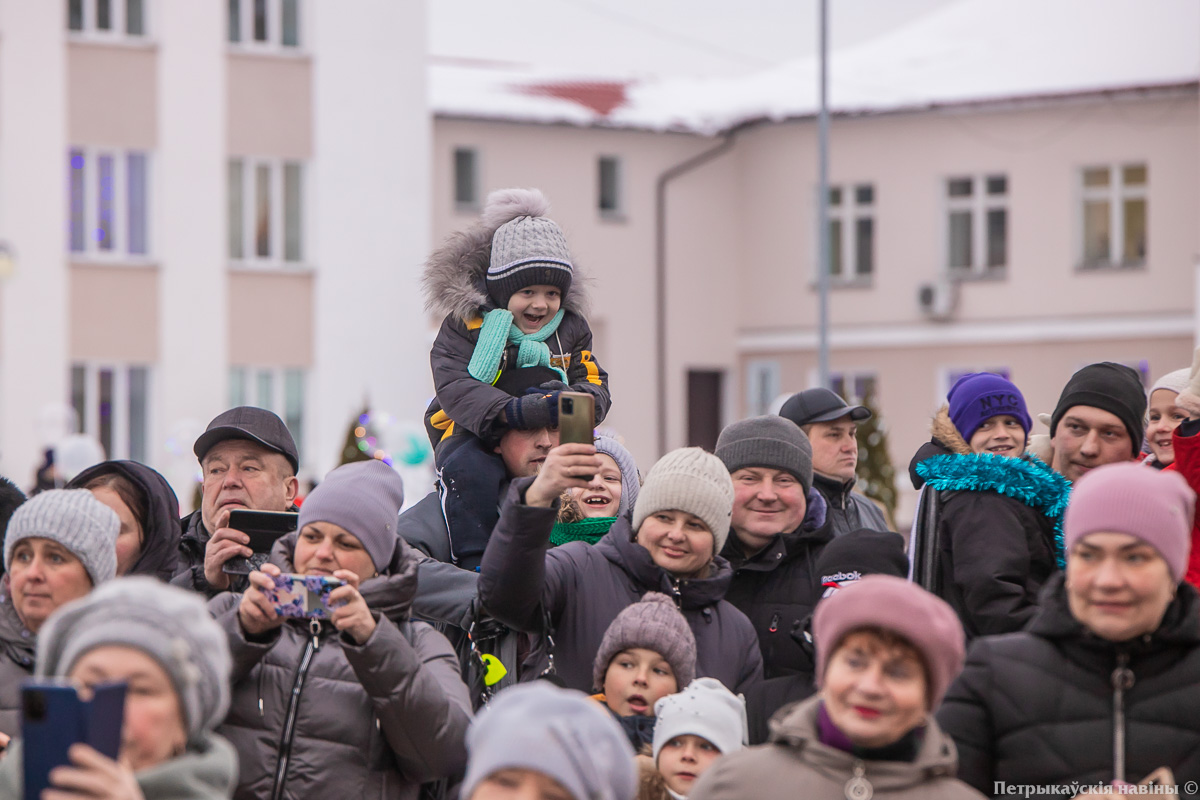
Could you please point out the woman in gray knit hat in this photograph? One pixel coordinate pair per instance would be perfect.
(367, 703)
(58, 546)
(172, 656)
(668, 545)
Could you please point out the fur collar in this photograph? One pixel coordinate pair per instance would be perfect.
(944, 431)
(455, 277)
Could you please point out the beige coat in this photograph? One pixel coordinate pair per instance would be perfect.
(795, 764)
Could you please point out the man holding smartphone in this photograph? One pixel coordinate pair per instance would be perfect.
(249, 461)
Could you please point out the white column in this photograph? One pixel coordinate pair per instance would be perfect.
(34, 355)
(190, 231)
(371, 190)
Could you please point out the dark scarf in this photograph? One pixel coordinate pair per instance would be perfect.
(903, 749)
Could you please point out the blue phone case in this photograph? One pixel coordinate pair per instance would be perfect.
(54, 717)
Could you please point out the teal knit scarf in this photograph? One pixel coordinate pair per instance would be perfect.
(585, 530)
(497, 331)
(1027, 480)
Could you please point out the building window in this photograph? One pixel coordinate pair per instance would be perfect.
(466, 178)
(277, 389)
(266, 211)
(1114, 215)
(109, 204)
(853, 387)
(264, 24)
(112, 402)
(977, 224)
(107, 18)
(609, 183)
(851, 232)
(763, 386)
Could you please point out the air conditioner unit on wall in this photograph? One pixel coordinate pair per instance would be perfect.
(938, 300)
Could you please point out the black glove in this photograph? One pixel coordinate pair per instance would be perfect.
(532, 411)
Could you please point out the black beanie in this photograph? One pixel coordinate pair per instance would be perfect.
(1114, 388)
(856, 554)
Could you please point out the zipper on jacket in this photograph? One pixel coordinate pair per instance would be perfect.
(675, 593)
(289, 724)
(774, 623)
(858, 787)
(1122, 681)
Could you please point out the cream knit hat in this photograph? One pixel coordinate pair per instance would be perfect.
(693, 480)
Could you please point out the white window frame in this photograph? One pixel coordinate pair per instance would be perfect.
(274, 43)
(1116, 193)
(851, 377)
(116, 34)
(278, 404)
(89, 422)
(847, 213)
(978, 205)
(91, 206)
(276, 258)
(944, 374)
(759, 372)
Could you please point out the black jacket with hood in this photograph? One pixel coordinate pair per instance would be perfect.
(996, 551)
(847, 509)
(1037, 707)
(161, 533)
(774, 587)
(456, 288)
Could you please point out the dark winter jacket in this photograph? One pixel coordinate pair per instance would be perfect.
(583, 587)
(17, 646)
(774, 587)
(316, 715)
(455, 288)
(161, 532)
(798, 764)
(1036, 707)
(847, 509)
(996, 549)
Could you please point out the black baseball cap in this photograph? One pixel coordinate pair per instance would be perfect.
(820, 405)
(253, 424)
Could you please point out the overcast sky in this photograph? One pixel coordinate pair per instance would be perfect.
(653, 37)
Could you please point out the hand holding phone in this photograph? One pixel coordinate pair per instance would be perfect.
(54, 717)
(264, 528)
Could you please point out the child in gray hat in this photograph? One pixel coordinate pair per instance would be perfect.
(161, 641)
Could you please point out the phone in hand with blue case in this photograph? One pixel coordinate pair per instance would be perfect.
(54, 716)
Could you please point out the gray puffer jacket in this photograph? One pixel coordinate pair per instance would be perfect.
(17, 645)
(315, 715)
(583, 587)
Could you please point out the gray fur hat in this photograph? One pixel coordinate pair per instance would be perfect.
(653, 623)
(693, 480)
(76, 520)
(769, 441)
(631, 479)
(170, 625)
(560, 733)
(365, 498)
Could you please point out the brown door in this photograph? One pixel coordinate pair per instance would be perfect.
(704, 407)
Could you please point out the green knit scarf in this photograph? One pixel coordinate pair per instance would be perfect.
(585, 530)
(497, 331)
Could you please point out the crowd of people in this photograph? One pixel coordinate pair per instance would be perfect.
(548, 623)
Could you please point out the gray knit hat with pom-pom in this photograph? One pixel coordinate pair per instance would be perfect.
(527, 248)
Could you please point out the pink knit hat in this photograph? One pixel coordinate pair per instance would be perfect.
(884, 601)
(1155, 506)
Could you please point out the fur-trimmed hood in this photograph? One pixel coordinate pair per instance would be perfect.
(944, 431)
(455, 277)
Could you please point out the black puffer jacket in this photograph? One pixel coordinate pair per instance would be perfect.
(996, 551)
(847, 509)
(584, 587)
(1036, 707)
(775, 587)
(160, 535)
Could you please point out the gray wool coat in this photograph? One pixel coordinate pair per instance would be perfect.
(372, 721)
(583, 587)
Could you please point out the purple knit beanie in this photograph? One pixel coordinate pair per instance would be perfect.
(1152, 505)
(924, 620)
(364, 497)
(979, 396)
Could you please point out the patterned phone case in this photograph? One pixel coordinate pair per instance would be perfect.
(303, 596)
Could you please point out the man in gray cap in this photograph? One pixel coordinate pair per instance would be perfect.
(249, 460)
(832, 427)
(777, 530)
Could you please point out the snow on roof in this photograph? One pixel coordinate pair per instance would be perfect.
(967, 51)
